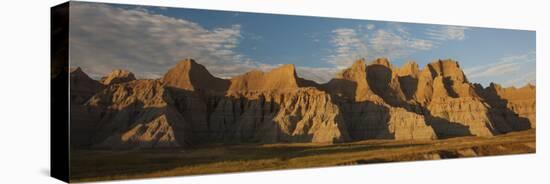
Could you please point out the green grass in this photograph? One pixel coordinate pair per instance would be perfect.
(95, 165)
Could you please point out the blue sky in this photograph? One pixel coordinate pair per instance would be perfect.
(149, 40)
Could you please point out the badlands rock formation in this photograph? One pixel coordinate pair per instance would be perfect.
(521, 101)
(188, 106)
(82, 87)
(118, 76)
(253, 107)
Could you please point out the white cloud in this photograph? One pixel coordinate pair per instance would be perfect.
(394, 42)
(103, 38)
(348, 47)
(390, 44)
(514, 70)
(370, 26)
(443, 33)
(504, 66)
(493, 70)
(319, 75)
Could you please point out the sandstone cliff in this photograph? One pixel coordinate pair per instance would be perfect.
(522, 101)
(189, 75)
(118, 76)
(279, 79)
(189, 106)
(299, 115)
(374, 104)
(513, 107)
(454, 99)
(136, 114)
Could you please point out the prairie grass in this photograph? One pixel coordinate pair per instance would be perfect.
(96, 165)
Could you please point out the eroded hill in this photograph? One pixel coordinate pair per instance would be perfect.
(189, 106)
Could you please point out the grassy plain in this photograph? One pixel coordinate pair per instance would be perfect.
(96, 165)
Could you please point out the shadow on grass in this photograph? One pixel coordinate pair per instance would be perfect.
(91, 164)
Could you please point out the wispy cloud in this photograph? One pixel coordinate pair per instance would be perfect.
(522, 80)
(517, 70)
(317, 74)
(348, 47)
(103, 38)
(444, 33)
(394, 41)
(397, 45)
(504, 66)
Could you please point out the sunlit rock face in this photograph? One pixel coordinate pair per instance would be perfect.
(188, 106)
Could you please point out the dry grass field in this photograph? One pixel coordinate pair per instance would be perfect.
(87, 165)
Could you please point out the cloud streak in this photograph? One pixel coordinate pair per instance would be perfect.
(517, 70)
(348, 47)
(394, 41)
(444, 33)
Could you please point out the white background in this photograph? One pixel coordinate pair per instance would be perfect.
(24, 92)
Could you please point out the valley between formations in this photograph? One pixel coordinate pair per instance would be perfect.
(191, 122)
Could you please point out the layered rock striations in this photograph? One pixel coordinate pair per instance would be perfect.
(521, 101)
(118, 76)
(514, 108)
(454, 101)
(189, 106)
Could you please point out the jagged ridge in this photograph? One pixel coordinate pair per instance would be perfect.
(190, 106)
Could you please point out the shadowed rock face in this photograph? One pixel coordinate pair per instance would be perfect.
(521, 101)
(408, 79)
(189, 106)
(136, 114)
(513, 108)
(82, 86)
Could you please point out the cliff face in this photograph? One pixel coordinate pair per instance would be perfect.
(118, 76)
(137, 114)
(191, 76)
(189, 106)
(522, 101)
(256, 107)
(514, 108)
(453, 99)
(298, 115)
(282, 78)
(82, 87)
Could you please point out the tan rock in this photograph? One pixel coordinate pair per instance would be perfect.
(189, 106)
(453, 101)
(405, 125)
(351, 83)
(189, 75)
(279, 79)
(408, 79)
(512, 109)
(137, 114)
(118, 76)
(521, 101)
